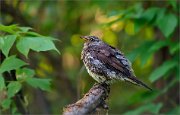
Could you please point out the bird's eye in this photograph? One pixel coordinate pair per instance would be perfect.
(91, 39)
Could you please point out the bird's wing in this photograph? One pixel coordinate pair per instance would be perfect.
(113, 58)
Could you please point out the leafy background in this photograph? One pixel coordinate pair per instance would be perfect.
(146, 31)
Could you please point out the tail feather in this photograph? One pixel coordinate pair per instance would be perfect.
(135, 81)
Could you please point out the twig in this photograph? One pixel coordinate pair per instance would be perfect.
(92, 101)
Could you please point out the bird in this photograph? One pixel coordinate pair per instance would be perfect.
(106, 64)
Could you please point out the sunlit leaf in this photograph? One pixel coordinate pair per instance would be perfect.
(36, 44)
(11, 63)
(13, 88)
(8, 42)
(2, 82)
(43, 84)
(162, 70)
(150, 107)
(10, 29)
(6, 103)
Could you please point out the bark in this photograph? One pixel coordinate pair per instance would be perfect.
(91, 102)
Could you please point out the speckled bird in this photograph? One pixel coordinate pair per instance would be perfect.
(107, 64)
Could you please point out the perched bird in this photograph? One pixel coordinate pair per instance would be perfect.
(106, 63)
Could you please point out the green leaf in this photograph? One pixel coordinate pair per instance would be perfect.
(137, 51)
(8, 42)
(145, 96)
(145, 57)
(157, 45)
(25, 29)
(13, 88)
(173, 3)
(6, 103)
(132, 55)
(43, 84)
(22, 74)
(174, 111)
(141, 51)
(167, 24)
(149, 14)
(2, 82)
(36, 44)
(11, 63)
(174, 47)
(149, 50)
(150, 107)
(10, 29)
(34, 34)
(139, 24)
(162, 70)
(1, 42)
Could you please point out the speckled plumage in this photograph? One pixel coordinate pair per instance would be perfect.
(106, 63)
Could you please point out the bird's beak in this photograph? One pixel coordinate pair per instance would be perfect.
(84, 37)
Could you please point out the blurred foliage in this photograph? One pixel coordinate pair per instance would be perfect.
(11, 83)
(146, 31)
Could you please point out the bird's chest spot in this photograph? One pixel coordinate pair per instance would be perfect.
(97, 77)
(94, 67)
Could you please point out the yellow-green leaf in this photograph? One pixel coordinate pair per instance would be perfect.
(10, 29)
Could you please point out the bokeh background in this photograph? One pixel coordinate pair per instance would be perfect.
(146, 31)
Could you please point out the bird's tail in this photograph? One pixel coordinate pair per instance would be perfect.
(134, 80)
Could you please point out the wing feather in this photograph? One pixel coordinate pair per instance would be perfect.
(108, 57)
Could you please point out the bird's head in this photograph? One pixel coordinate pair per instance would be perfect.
(90, 38)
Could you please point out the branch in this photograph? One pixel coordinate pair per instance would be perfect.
(92, 100)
